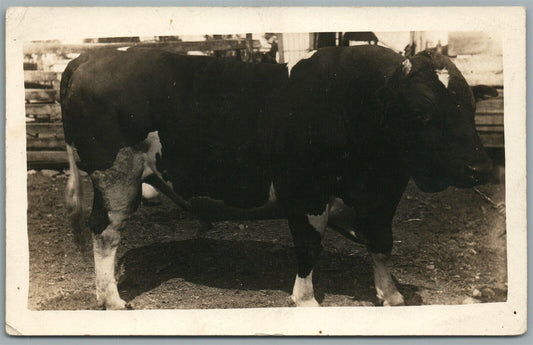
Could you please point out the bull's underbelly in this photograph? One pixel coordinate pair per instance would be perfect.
(241, 180)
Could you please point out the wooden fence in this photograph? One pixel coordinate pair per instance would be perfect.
(489, 121)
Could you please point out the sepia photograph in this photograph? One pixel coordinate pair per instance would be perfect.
(200, 171)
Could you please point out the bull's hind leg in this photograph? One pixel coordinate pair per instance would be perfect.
(307, 232)
(117, 194)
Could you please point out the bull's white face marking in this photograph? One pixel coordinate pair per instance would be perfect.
(302, 293)
(385, 287)
(406, 67)
(444, 76)
(319, 222)
(272, 193)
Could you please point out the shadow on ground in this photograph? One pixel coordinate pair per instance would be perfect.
(245, 265)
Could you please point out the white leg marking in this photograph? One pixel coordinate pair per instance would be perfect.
(105, 248)
(385, 287)
(319, 222)
(302, 293)
(149, 192)
(153, 148)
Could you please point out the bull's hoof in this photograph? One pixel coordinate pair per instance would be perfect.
(304, 303)
(118, 304)
(395, 299)
(112, 304)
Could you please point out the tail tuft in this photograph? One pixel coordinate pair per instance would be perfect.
(74, 197)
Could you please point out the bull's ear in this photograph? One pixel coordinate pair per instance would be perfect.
(482, 92)
(406, 67)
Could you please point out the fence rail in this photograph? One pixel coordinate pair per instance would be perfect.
(174, 46)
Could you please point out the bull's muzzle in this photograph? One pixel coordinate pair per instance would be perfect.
(478, 172)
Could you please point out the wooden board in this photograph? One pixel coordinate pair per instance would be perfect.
(492, 140)
(490, 128)
(52, 111)
(45, 130)
(35, 158)
(41, 76)
(489, 119)
(42, 95)
(50, 143)
(63, 49)
(490, 106)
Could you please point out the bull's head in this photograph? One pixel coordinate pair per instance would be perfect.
(433, 123)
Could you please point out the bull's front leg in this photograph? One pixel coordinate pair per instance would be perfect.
(307, 232)
(379, 243)
(385, 287)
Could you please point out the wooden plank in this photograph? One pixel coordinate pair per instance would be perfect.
(490, 105)
(46, 157)
(490, 129)
(50, 143)
(41, 76)
(52, 109)
(61, 49)
(41, 95)
(489, 119)
(496, 140)
(45, 130)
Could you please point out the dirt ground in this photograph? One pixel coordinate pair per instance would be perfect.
(449, 248)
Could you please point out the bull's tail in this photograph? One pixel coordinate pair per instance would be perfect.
(74, 199)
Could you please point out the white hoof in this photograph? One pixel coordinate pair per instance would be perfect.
(117, 304)
(305, 303)
(111, 301)
(395, 299)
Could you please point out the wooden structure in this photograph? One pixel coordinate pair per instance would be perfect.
(478, 55)
(45, 145)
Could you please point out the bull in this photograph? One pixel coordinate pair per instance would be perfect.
(230, 140)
